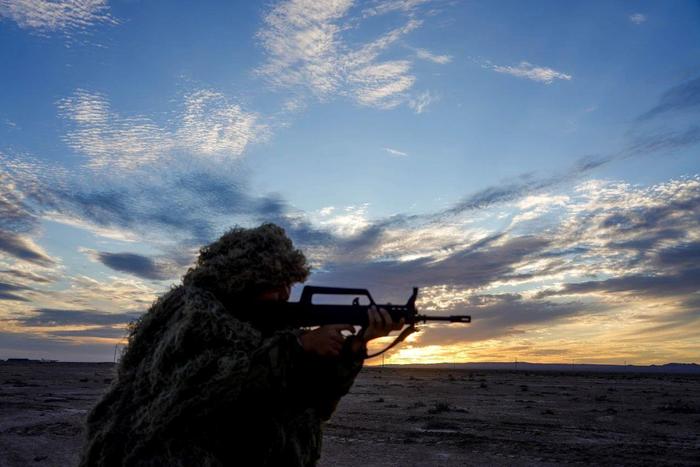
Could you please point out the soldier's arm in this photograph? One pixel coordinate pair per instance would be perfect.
(334, 362)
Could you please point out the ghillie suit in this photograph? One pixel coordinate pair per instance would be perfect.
(197, 386)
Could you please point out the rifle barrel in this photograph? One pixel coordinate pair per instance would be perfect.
(451, 319)
(297, 314)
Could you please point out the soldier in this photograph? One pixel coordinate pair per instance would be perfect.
(197, 386)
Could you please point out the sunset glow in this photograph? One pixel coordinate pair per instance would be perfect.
(536, 168)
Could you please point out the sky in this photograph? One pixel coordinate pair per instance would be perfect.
(535, 165)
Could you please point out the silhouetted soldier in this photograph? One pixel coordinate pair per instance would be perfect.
(198, 386)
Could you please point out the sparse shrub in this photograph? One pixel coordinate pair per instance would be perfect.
(679, 406)
(381, 399)
(439, 407)
(524, 388)
(441, 425)
(410, 437)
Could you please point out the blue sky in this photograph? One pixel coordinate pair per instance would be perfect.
(533, 164)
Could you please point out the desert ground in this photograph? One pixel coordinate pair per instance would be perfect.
(413, 417)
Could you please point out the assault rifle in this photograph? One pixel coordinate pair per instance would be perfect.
(305, 313)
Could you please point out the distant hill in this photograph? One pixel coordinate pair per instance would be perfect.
(525, 366)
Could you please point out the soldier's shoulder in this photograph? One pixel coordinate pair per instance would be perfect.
(189, 298)
(208, 307)
(181, 304)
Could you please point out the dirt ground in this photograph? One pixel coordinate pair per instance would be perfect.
(414, 417)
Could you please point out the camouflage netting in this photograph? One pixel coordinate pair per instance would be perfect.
(198, 387)
(244, 262)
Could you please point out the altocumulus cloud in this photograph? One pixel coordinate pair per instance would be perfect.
(208, 125)
(187, 198)
(67, 16)
(303, 40)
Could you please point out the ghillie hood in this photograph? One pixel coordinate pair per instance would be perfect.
(244, 262)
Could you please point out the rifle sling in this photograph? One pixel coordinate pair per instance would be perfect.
(400, 338)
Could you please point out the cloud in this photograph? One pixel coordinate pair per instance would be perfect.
(477, 265)
(682, 283)
(668, 141)
(395, 152)
(376, 83)
(109, 139)
(187, 198)
(113, 294)
(108, 332)
(138, 265)
(367, 237)
(29, 276)
(389, 6)
(15, 215)
(47, 317)
(600, 229)
(527, 184)
(214, 192)
(682, 97)
(382, 85)
(67, 16)
(209, 125)
(637, 18)
(520, 187)
(500, 316)
(305, 50)
(640, 243)
(6, 292)
(529, 71)
(24, 249)
(603, 230)
(425, 54)
(420, 102)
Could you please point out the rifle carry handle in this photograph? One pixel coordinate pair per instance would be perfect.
(310, 290)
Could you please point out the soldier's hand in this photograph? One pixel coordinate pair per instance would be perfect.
(326, 341)
(380, 324)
